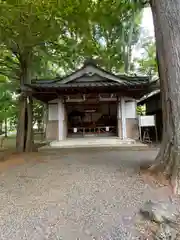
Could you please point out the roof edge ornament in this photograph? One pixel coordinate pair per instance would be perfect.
(90, 74)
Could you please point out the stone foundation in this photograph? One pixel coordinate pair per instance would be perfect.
(132, 128)
(52, 130)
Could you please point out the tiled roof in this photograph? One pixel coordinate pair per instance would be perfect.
(86, 76)
(146, 97)
(56, 84)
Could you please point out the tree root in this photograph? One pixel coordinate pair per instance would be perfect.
(166, 170)
(155, 179)
(155, 176)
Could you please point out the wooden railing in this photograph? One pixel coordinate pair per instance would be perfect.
(92, 130)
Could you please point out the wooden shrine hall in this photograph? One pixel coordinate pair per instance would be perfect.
(90, 102)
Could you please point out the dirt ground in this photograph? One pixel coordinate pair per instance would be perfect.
(74, 194)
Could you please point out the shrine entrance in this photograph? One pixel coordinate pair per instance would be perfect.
(90, 120)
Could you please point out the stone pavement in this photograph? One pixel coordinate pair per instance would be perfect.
(73, 194)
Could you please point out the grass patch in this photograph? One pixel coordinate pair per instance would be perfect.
(9, 143)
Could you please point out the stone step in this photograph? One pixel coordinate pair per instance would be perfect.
(91, 142)
(119, 148)
(95, 143)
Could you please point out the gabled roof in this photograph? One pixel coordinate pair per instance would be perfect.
(88, 78)
(91, 75)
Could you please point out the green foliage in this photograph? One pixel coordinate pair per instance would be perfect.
(53, 37)
(29, 29)
(9, 66)
(28, 23)
(141, 110)
(115, 30)
(147, 64)
(38, 109)
(8, 103)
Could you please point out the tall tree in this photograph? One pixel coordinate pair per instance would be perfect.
(167, 32)
(28, 24)
(115, 30)
(147, 63)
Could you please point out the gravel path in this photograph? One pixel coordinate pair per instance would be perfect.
(80, 194)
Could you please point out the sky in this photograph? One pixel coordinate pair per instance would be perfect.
(147, 21)
(146, 31)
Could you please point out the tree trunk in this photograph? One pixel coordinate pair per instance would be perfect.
(128, 52)
(1, 127)
(29, 133)
(24, 139)
(5, 127)
(45, 120)
(20, 137)
(126, 61)
(167, 32)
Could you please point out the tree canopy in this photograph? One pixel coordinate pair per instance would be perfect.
(147, 63)
(45, 39)
(51, 35)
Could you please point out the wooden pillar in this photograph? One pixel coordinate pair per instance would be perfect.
(123, 118)
(119, 122)
(61, 120)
